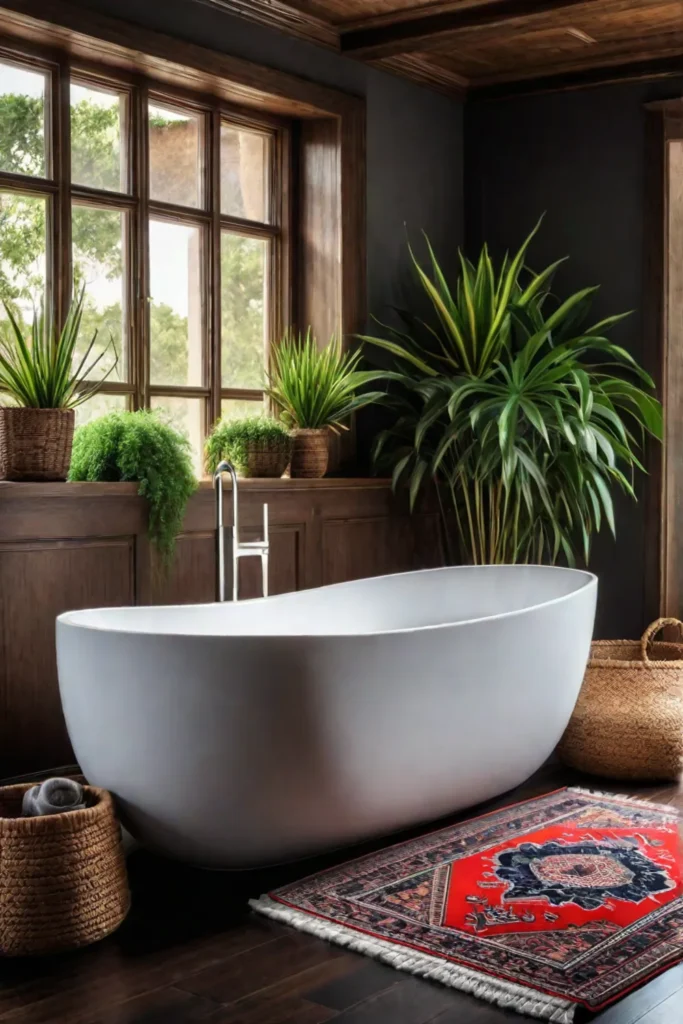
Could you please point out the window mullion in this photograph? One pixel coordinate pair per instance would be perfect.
(140, 261)
(215, 323)
(60, 234)
(283, 198)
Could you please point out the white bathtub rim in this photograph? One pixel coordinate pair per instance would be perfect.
(74, 618)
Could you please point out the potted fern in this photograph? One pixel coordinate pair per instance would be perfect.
(43, 379)
(527, 417)
(257, 446)
(316, 390)
(139, 446)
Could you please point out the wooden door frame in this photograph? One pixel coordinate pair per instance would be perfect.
(663, 306)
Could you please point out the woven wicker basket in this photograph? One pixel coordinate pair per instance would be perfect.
(269, 460)
(35, 444)
(310, 453)
(62, 877)
(628, 722)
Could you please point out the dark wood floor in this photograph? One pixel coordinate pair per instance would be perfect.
(191, 951)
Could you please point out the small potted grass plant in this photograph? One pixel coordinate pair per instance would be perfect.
(257, 446)
(43, 380)
(316, 390)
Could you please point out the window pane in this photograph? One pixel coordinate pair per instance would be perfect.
(245, 173)
(99, 266)
(238, 408)
(98, 138)
(100, 405)
(244, 327)
(175, 156)
(22, 121)
(176, 316)
(22, 253)
(186, 415)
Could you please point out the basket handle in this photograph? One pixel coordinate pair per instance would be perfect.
(652, 631)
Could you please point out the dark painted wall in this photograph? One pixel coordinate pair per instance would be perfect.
(578, 156)
(414, 135)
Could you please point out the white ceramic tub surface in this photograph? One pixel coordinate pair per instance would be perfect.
(250, 733)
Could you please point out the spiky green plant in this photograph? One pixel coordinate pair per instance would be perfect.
(41, 371)
(525, 418)
(231, 439)
(139, 446)
(316, 387)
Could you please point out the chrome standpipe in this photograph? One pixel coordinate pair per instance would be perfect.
(249, 549)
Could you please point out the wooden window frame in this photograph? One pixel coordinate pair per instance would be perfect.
(61, 194)
(323, 272)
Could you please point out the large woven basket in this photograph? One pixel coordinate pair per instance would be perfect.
(269, 460)
(310, 454)
(62, 877)
(35, 444)
(628, 722)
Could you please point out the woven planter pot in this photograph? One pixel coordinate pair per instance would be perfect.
(310, 453)
(35, 444)
(628, 722)
(62, 877)
(269, 460)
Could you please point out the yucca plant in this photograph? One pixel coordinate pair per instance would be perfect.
(526, 419)
(41, 371)
(315, 387)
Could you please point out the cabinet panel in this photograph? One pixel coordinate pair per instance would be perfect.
(284, 573)
(38, 581)
(356, 548)
(192, 577)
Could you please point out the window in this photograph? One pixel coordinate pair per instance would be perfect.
(167, 209)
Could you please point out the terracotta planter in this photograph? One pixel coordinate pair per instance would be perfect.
(310, 453)
(35, 444)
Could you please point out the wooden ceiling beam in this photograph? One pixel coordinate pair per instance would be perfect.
(283, 17)
(426, 30)
(666, 67)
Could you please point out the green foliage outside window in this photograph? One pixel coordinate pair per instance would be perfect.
(95, 153)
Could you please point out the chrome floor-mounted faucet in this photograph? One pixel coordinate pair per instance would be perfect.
(253, 549)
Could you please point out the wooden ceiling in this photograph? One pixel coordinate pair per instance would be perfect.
(489, 46)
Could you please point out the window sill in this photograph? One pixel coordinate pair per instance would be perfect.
(14, 490)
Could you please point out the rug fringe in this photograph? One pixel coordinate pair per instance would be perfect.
(505, 994)
(629, 800)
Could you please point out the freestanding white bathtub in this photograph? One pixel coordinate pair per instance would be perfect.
(250, 733)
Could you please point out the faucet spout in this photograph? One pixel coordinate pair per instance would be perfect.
(255, 548)
(225, 467)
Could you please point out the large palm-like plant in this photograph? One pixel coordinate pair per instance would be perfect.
(525, 418)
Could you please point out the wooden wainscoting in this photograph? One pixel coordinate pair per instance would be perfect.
(69, 546)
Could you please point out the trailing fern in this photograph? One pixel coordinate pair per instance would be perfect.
(138, 446)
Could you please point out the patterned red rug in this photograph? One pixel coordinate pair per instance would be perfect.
(573, 898)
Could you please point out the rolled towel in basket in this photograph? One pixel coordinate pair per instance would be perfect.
(54, 796)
